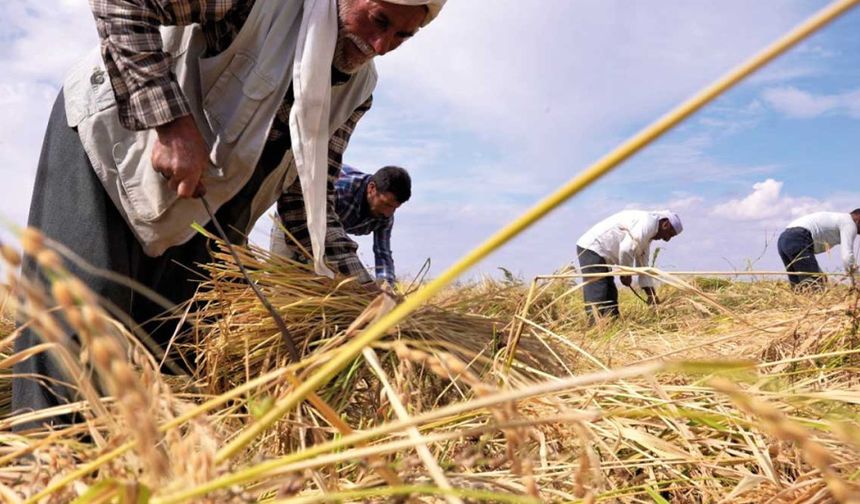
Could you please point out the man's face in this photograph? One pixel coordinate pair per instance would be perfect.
(665, 232)
(369, 28)
(382, 204)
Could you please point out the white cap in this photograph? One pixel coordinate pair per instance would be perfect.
(433, 7)
(673, 219)
(676, 223)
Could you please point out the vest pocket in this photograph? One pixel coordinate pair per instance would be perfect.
(234, 99)
(146, 190)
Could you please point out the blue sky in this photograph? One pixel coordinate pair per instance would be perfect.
(500, 101)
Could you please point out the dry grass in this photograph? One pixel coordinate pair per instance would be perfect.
(7, 326)
(729, 391)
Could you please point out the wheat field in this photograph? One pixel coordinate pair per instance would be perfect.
(733, 389)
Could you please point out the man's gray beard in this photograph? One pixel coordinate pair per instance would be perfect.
(339, 61)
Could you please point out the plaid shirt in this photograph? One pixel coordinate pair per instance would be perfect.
(354, 213)
(148, 95)
(340, 249)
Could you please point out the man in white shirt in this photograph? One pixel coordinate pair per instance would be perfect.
(623, 239)
(813, 234)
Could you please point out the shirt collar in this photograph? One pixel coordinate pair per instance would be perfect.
(363, 204)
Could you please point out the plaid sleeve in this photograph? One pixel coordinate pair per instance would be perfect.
(146, 91)
(340, 249)
(382, 253)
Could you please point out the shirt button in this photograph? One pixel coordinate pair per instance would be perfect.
(97, 78)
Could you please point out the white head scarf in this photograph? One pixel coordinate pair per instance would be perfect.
(433, 7)
(309, 117)
(673, 218)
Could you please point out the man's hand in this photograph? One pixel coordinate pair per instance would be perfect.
(389, 289)
(377, 288)
(626, 280)
(652, 296)
(373, 288)
(181, 155)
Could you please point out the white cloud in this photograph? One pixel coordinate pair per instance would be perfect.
(25, 112)
(562, 92)
(686, 160)
(722, 120)
(46, 38)
(779, 73)
(683, 202)
(811, 60)
(715, 241)
(794, 102)
(766, 201)
(39, 41)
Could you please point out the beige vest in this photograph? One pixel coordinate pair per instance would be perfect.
(234, 97)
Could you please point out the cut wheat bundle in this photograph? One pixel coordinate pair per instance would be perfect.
(237, 339)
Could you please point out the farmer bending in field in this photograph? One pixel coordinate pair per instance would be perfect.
(623, 239)
(365, 204)
(238, 99)
(813, 234)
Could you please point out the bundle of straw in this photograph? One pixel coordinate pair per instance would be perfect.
(238, 339)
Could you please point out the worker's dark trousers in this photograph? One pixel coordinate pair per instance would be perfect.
(70, 206)
(601, 295)
(797, 251)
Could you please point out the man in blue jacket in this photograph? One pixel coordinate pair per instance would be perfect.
(365, 204)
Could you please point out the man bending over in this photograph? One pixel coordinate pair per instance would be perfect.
(813, 234)
(623, 239)
(365, 204)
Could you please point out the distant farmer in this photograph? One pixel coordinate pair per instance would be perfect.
(622, 239)
(813, 234)
(365, 204)
(239, 100)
